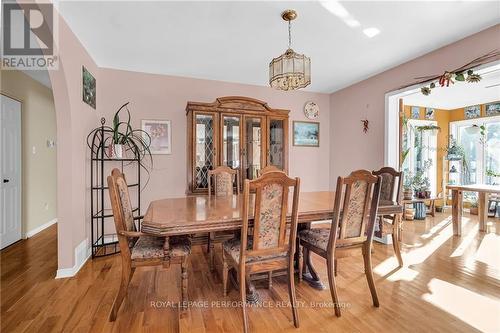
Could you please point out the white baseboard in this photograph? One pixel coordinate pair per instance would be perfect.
(33, 232)
(82, 254)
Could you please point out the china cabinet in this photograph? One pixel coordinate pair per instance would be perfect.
(242, 133)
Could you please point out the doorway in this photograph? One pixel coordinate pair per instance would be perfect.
(10, 171)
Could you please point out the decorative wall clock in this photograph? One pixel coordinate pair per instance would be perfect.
(311, 110)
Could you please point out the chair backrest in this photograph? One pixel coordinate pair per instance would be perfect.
(224, 178)
(355, 209)
(122, 208)
(270, 194)
(267, 169)
(392, 182)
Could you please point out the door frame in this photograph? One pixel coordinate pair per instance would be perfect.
(23, 227)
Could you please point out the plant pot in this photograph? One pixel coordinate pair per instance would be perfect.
(474, 211)
(407, 194)
(427, 194)
(115, 151)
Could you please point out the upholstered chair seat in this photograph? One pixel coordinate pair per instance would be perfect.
(318, 237)
(149, 247)
(233, 248)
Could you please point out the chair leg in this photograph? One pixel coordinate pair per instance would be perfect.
(225, 271)
(395, 243)
(331, 263)
(184, 278)
(367, 258)
(127, 273)
(243, 296)
(270, 280)
(210, 249)
(291, 292)
(336, 264)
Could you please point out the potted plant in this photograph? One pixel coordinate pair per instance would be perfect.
(434, 129)
(121, 140)
(474, 210)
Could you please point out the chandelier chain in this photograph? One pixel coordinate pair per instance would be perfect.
(289, 34)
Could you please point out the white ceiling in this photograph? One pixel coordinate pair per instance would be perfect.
(460, 94)
(234, 41)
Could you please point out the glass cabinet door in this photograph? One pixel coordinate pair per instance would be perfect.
(276, 142)
(231, 143)
(204, 148)
(252, 153)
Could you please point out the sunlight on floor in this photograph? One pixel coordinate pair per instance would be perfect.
(476, 310)
(489, 250)
(466, 242)
(434, 238)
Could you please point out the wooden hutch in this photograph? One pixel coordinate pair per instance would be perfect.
(239, 132)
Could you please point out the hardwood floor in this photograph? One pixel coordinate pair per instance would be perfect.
(448, 284)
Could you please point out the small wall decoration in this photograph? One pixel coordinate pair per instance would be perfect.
(429, 113)
(473, 111)
(306, 133)
(415, 112)
(493, 109)
(311, 110)
(160, 132)
(366, 123)
(89, 87)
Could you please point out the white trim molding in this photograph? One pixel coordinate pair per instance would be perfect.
(33, 232)
(82, 254)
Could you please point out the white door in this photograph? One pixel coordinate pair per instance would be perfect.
(10, 171)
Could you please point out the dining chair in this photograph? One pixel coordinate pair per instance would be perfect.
(224, 180)
(266, 248)
(138, 249)
(354, 214)
(390, 191)
(267, 169)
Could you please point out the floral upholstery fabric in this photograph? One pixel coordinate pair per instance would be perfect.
(223, 184)
(270, 214)
(316, 237)
(128, 215)
(354, 216)
(386, 187)
(149, 247)
(233, 247)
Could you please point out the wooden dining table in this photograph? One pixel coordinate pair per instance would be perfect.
(201, 213)
(457, 203)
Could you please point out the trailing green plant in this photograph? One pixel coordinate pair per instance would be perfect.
(428, 128)
(491, 173)
(136, 142)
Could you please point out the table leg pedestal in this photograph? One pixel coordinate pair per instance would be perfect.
(456, 202)
(483, 210)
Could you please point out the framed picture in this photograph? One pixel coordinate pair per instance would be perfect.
(493, 109)
(473, 111)
(88, 85)
(429, 113)
(415, 112)
(160, 132)
(306, 133)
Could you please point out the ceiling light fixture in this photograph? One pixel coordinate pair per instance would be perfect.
(371, 32)
(290, 71)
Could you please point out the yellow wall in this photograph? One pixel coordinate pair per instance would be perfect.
(443, 118)
(38, 124)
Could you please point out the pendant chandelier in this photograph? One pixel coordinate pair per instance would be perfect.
(290, 71)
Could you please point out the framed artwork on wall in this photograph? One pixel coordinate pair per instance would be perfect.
(160, 132)
(429, 113)
(306, 133)
(473, 111)
(89, 87)
(415, 112)
(492, 109)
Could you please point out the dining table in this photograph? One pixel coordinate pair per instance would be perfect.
(195, 214)
(483, 191)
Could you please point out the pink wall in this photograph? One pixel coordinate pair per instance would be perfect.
(164, 97)
(352, 149)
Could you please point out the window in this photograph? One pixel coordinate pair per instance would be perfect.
(421, 145)
(480, 139)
